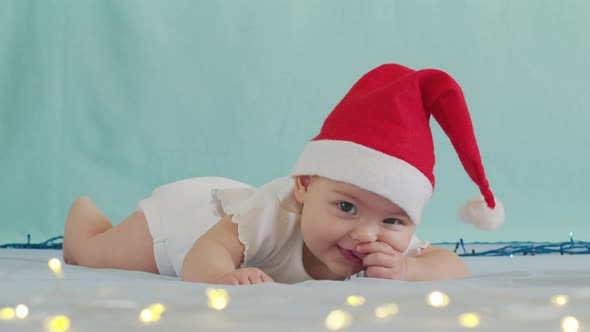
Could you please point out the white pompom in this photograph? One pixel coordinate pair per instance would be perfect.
(477, 212)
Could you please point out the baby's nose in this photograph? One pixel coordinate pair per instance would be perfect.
(364, 234)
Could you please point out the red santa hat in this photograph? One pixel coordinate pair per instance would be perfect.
(378, 138)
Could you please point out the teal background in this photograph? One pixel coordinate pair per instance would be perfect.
(113, 98)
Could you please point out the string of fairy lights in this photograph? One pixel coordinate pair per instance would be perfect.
(52, 243)
(570, 247)
(218, 299)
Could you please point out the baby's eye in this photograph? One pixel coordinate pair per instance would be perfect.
(393, 221)
(347, 207)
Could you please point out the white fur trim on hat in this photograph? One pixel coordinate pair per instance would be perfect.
(380, 173)
(477, 212)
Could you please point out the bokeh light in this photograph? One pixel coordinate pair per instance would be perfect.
(338, 319)
(218, 298)
(570, 324)
(355, 301)
(386, 310)
(59, 323)
(7, 313)
(146, 316)
(438, 299)
(55, 266)
(469, 319)
(22, 311)
(560, 300)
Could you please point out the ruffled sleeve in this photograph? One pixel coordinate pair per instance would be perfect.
(416, 246)
(264, 226)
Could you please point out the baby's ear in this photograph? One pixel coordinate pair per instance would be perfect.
(301, 187)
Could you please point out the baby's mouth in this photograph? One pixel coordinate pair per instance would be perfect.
(358, 254)
(353, 256)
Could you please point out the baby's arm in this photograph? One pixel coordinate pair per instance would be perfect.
(216, 255)
(435, 263)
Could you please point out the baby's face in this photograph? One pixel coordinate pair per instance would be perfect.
(337, 216)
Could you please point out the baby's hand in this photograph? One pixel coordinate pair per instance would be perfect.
(382, 261)
(245, 276)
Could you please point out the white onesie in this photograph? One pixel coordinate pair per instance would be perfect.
(267, 217)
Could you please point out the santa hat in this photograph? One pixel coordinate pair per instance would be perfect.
(378, 138)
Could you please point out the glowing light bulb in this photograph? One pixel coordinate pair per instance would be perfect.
(570, 324)
(386, 310)
(146, 315)
(560, 300)
(438, 299)
(469, 319)
(218, 298)
(21, 311)
(59, 323)
(55, 266)
(157, 310)
(7, 313)
(338, 319)
(355, 301)
(218, 302)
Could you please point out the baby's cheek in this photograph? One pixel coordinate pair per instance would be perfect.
(406, 242)
(399, 242)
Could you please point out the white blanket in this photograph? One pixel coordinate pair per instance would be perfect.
(512, 294)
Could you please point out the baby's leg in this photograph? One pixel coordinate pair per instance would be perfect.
(91, 240)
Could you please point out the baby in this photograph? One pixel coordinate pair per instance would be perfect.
(351, 203)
